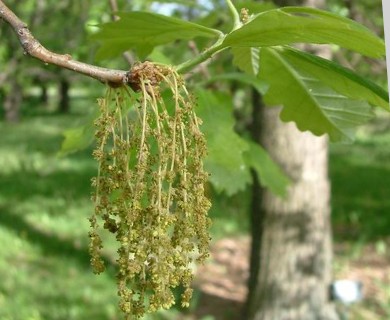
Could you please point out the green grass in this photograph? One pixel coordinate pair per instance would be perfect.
(44, 207)
(360, 177)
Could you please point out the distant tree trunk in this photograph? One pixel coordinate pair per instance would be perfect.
(291, 251)
(43, 97)
(12, 103)
(63, 93)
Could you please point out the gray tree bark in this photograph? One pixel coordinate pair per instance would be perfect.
(294, 262)
(291, 256)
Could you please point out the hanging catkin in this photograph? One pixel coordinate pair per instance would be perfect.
(149, 190)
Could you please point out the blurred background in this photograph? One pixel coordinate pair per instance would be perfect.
(45, 198)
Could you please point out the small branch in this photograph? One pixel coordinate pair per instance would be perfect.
(33, 48)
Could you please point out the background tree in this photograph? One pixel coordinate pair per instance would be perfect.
(70, 30)
(291, 256)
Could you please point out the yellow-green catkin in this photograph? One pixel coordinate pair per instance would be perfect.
(150, 189)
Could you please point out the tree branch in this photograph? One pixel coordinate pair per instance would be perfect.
(34, 48)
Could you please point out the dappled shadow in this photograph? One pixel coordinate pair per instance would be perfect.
(61, 304)
(38, 137)
(32, 106)
(28, 182)
(50, 244)
(30, 166)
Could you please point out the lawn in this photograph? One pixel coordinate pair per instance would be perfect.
(45, 204)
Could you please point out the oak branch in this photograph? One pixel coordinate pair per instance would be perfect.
(34, 48)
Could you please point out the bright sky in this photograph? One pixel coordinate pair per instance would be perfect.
(167, 8)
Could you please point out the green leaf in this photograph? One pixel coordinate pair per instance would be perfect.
(246, 59)
(308, 25)
(310, 103)
(270, 174)
(340, 79)
(260, 85)
(76, 139)
(225, 162)
(142, 31)
(158, 56)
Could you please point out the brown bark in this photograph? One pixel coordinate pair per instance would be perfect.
(291, 238)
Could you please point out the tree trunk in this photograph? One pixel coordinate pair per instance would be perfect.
(43, 96)
(63, 93)
(294, 260)
(291, 238)
(12, 102)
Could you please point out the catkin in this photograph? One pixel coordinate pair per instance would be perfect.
(149, 189)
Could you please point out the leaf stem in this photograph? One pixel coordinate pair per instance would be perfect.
(205, 55)
(235, 14)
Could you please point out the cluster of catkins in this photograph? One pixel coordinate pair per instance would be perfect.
(150, 189)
